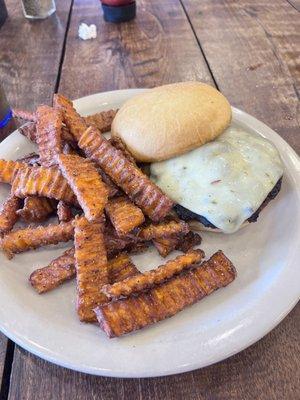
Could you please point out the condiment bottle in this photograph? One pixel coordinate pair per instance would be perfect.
(7, 123)
(118, 10)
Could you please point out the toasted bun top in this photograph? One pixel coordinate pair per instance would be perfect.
(172, 119)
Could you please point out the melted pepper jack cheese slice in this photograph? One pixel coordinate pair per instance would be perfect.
(225, 181)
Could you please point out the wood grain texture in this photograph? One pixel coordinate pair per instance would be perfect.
(30, 53)
(157, 47)
(3, 346)
(269, 370)
(252, 47)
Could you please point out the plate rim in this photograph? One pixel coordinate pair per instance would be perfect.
(46, 354)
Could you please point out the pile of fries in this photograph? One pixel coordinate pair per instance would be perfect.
(111, 209)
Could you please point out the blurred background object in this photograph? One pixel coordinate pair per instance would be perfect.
(38, 9)
(118, 10)
(3, 12)
(7, 124)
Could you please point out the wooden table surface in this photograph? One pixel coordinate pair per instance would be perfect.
(247, 49)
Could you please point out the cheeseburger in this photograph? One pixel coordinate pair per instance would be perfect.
(219, 174)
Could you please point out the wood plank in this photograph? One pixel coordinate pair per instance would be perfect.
(30, 54)
(157, 47)
(266, 371)
(3, 348)
(252, 48)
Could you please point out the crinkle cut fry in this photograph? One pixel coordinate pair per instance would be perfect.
(31, 238)
(64, 212)
(124, 215)
(163, 229)
(63, 269)
(35, 209)
(188, 241)
(101, 120)
(8, 214)
(113, 189)
(86, 183)
(126, 315)
(9, 169)
(32, 159)
(29, 131)
(118, 144)
(91, 267)
(43, 182)
(121, 267)
(23, 114)
(49, 134)
(75, 123)
(179, 242)
(166, 245)
(153, 277)
(60, 270)
(139, 188)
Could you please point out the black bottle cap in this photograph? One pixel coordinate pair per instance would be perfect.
(119, 13)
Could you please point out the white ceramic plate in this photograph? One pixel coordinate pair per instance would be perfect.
(266, 255)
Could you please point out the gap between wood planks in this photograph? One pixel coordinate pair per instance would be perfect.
(9, 357)
(63, 50)
(199, 44)
(295, 4)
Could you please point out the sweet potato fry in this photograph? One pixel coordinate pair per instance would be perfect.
(23, 114)
(121, 267)
(163, 229)
(8, 214)
(115, 243)
(179, 242)
(44, 182)
(126, 315)
(75, 123)
(101, 120)
(112, 188)
(188, 241)
(91, 266)
(9, 169)
(32, 159)
(35, 209)
(67, 136)
(68, 149)
(49, 134)
(124, 215)
(139, 188)
(29, 130)
(154, 277)
(63, 269)
(57, 272)
(118, 144)
(166, 245)
(31, 238)
(86, 183)
(64, 212)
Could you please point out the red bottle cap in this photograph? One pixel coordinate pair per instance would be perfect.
(119, 13)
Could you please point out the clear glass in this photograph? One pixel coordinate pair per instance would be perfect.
(38, 9)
